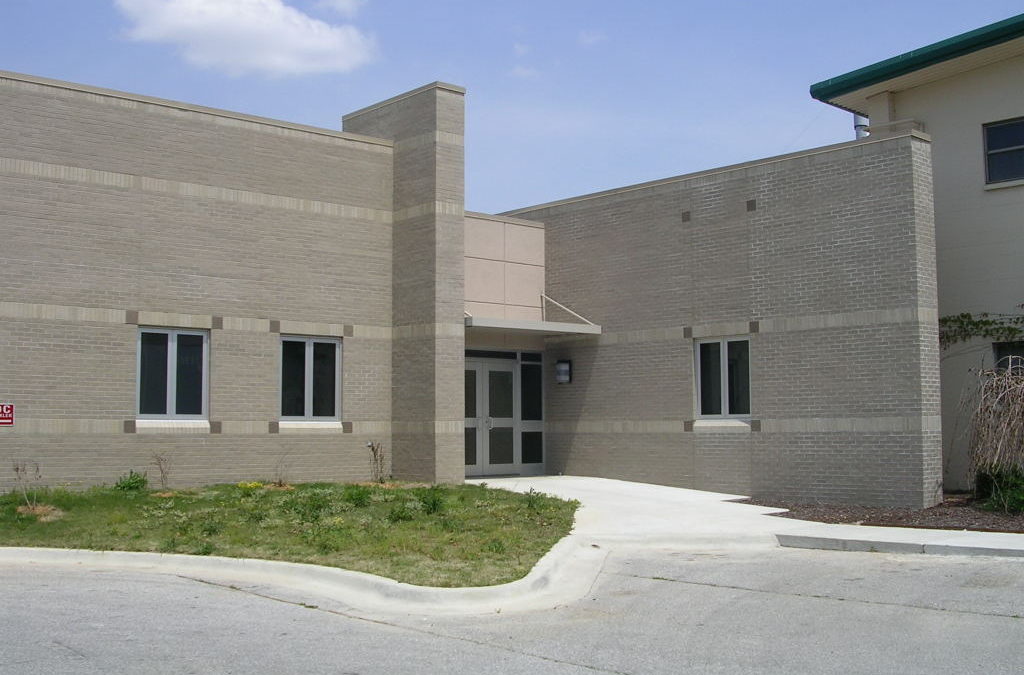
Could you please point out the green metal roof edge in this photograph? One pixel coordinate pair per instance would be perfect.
(950, 48)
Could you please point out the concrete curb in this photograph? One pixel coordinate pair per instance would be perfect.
(903, 540)
(565, 574)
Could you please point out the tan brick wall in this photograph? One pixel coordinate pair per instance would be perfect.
(830, 253)
(168, 215)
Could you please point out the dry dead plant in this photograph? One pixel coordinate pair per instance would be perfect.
(281, 469)
(163, 467)
(996, 440)
(28, 478)
(378, 461)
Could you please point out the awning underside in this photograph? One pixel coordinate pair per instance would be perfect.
(531, 327)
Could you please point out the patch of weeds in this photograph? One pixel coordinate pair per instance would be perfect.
(403, 512)
(210, 527)
(132, 482)
(250, 487)
(495, 546)
(168, 545)
(309, 505)
(1002, 491)
(534, 499)
(383, 496)
(432, 498)
(254, 515)
(357, 495)
(203, 548)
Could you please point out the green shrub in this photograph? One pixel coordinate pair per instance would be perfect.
(309, 505)
(432, 498)
(534, 499)
(132, 482)
(1001, 491)
(402, 512)
(356, 495)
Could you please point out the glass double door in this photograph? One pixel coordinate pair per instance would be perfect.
(494, 424)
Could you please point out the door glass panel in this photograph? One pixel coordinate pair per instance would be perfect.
(500, 439)
(153, 374)
(293, 378)
(470, 395)
(324, 372)
(500, 393)
(471, 446)
(739, 377)
(533, 447)
(710, 378)
(189, 384)
(531, 392)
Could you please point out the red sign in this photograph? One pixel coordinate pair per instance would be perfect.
(6, 414)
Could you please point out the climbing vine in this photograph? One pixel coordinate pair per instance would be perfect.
(962, 327)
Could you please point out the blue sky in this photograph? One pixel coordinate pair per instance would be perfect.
(564, 97)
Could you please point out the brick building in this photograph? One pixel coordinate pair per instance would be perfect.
(251, 298)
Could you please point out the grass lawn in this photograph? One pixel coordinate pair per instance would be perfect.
(466, 535)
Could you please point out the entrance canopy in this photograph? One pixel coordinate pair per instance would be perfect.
(532, 327)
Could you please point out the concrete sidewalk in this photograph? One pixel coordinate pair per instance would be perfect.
(636, 514)
(614, 515)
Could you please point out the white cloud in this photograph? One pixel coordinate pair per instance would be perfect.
(589, 38)
(520, 49)
(525, 73)
(347, 8)
(248, 36)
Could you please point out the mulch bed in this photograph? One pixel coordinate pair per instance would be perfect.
(956, 512)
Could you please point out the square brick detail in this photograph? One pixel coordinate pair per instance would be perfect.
(274, 427)
(754, 327)
(275, 326)
(755, 425)
(131, 317)
(687, 425)
(216, 427)
(129, 426)
(346, 427)
(751, 205)
(217, 323)
(685, 217)
(687, 332)
(347, 331)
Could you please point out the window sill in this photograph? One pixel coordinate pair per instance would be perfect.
(310, 427)
(172, 426)
(722, 426)
(1004, 184)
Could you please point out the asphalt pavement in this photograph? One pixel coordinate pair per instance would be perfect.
(670, 581)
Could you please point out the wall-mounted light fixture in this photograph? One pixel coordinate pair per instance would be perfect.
(563, 372)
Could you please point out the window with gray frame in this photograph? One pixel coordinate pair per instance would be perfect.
(723, 377)
(1004, 150)
(172, 373)
(309, 378)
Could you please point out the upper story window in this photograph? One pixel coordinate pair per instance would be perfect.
(723, 377)
(1004, 151)
(309, 378)
(173, 373)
